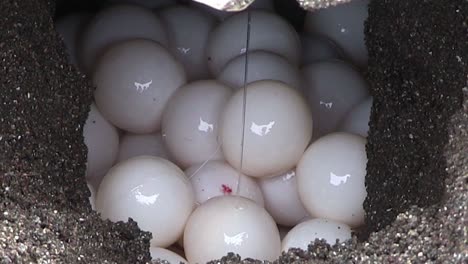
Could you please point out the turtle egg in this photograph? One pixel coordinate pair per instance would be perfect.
(115, 24)
(332, 89)
(216, 178)
(181, 22)
(102, 140)
(134, 81)
(281, 198)
(317, 48)
(357, 119)
(152, 191)
(132, 145)
(263, 65)
(268, 32)
(306, 232)
(190, 122)
(235, 224)
(278, 128)
(330, 178)
(344, 24)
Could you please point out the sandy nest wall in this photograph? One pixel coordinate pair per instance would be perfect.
(417, 146)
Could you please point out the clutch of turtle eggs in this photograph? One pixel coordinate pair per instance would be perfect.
(225, 131)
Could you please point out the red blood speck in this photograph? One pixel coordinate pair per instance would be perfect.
(226, 189)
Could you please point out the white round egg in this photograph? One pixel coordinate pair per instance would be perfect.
(306, 232)
(216, 178)
(316, 48)
(167, 255)
(231, 224)
(268, 32)
(115, 24)
(332, 89)
(330, 178)
(282, 199)
(189, 47)
(70, 28)
(132, 145)
(152, 191)
(102, 140)
(344, 24)
(357, 119)
(276, 131)
(134, 81)
(262, 65)
(190, 122)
